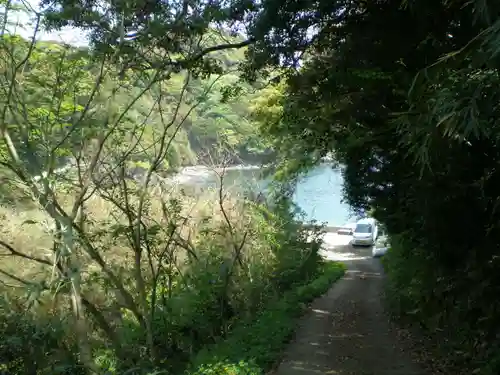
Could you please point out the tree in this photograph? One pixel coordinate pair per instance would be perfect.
(97, 108)
(403, 94)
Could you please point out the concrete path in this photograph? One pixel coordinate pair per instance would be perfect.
(346, 331)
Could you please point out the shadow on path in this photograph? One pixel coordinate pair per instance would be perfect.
(346, 331)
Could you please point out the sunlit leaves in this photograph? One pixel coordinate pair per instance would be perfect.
(46, 95)
(152, 34)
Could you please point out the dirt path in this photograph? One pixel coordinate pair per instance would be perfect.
(346, 331)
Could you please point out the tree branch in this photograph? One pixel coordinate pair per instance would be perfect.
(14, 252)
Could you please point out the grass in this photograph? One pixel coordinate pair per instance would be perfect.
(196, 306)
(254, 347)
(27, 228)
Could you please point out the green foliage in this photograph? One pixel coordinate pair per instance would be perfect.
(53, 107)
(448, 307)
(35, 345)
(194, 309)
(405, 95)
(136, 31)
(254, 346)
(140, 285)
(268, 110)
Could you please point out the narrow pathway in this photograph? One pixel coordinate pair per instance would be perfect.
(346, 331)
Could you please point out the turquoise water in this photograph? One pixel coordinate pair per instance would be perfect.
(318, 194)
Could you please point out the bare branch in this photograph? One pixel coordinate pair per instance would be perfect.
(14, 252)
(16, 278)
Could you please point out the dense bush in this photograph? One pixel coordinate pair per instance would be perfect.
(197, 303)
(453, 309)
(35, 344)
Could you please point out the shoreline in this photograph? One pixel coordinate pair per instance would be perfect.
(219, 168)
(196, 176)
(193, 173)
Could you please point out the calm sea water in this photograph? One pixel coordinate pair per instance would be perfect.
(318, 194)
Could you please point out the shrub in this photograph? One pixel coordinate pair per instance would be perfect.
(254, 346)
(451, 308)
(35, 344)
(247, 256)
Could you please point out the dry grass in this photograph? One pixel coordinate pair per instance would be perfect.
(26, 227)
(30, 239)
(211, 230)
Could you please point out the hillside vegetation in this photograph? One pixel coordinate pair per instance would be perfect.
(210, 116)
(106, 271)
(103, 273)
(405, 94)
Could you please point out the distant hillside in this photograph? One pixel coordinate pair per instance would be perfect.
(224, 124)
(217, 127)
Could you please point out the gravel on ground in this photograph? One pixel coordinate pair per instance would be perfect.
(347, 332)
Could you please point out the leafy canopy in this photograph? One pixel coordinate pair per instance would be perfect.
(405, 95)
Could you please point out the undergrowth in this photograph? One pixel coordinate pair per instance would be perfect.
(254, 346)
(229, 286)
(451, 309)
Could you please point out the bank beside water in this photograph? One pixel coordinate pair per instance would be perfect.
(318, 193)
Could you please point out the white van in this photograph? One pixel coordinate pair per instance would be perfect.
(365, 232)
